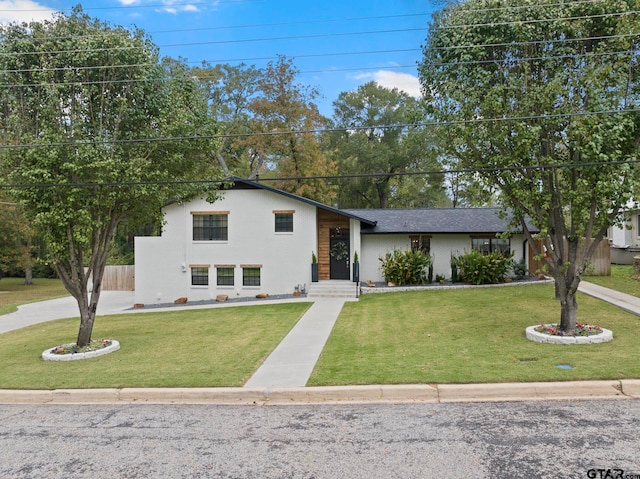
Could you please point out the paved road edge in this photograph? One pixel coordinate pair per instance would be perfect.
(441, 393)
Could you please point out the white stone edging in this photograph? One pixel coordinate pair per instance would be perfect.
(533, 335)
(49, 356)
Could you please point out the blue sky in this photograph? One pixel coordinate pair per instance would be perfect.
(336, 45)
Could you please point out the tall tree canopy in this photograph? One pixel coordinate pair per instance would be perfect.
(373, 141)
(84, 110)
(254, 109)
(542, 100)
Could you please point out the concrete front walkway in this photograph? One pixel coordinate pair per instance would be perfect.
(629, 303)
(292, 362)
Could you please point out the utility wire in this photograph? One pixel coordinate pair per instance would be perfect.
(326, 35)
(540, 20)
(515, 168)
(318, 130)
(217, 61)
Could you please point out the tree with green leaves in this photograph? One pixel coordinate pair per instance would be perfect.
(88, 111)
(542, 102)
(376, 148)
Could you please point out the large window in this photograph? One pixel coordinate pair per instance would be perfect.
(210, 227)
(199, 276)
(490, 244)
(250, 275)
(283, 221)
(421, 243)
(225, 275)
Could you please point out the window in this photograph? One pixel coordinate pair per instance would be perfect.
(421, 243)
(283, 221)
(250, 275)
(199, 276)
(225, 275)
(489, 244)
(210, 227)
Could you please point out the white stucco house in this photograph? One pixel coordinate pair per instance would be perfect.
(257, 239)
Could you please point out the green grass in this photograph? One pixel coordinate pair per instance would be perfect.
(198, 348)
(620, 280)
(470, 336)
(13, 292)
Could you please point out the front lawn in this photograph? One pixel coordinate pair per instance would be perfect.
(470, 336)
(197, 348)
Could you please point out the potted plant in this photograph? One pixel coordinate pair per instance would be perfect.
(356, 268)
(314, 268)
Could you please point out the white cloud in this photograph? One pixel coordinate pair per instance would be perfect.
(402, 81)
(388, 79)
(128, 2)
(23, 11)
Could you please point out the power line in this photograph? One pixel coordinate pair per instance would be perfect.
(319, 130)
(515, 168)
(219, 42)
(217, 61)
(540, 20)
(536, 42)
(170, 79)
(529, 59)
(324, 35)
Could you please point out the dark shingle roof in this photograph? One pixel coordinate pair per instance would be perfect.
(437, 220)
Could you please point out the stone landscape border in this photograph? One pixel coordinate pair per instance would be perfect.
(47, 355)
(533, 335)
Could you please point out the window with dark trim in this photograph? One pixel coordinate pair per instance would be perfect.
(199, 276)
(250, 276)
(225, 276)
(210, 227)
(421, 243)
(283, 221)
(491, 244)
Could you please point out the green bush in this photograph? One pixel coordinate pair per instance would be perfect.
(477, 268)
(405, 267)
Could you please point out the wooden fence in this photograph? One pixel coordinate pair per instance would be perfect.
(600, 262)
(118, 278)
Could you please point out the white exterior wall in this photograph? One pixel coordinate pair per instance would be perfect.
(163, 271)
(442, 245)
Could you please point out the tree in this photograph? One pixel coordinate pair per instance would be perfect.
(541, 99)
(373, 142)
(286, 106)
(87, 109)
(230, 90)
(15, 240)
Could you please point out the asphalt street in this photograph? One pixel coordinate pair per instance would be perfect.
(538, 439)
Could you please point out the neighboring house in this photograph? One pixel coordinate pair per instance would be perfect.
(625, 239)
(257, 239)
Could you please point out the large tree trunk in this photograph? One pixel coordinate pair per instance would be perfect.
(569, 312)
(28, 276)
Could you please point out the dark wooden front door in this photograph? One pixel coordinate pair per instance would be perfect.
(339, 254)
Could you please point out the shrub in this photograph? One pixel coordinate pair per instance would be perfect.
(405, 267)
(477, 268)
(519, 268)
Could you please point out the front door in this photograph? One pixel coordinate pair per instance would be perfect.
(339, 253)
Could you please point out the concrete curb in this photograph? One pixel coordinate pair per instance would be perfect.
(418, 393)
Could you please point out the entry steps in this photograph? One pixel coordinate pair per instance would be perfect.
(333, 289)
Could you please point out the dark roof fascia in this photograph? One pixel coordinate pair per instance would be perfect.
(257, 185)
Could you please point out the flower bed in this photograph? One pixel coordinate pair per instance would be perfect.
(584, 334)
(70, 352)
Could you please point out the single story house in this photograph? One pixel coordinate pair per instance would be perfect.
(257, 239)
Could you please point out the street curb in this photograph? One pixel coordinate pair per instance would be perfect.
(402, 393)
